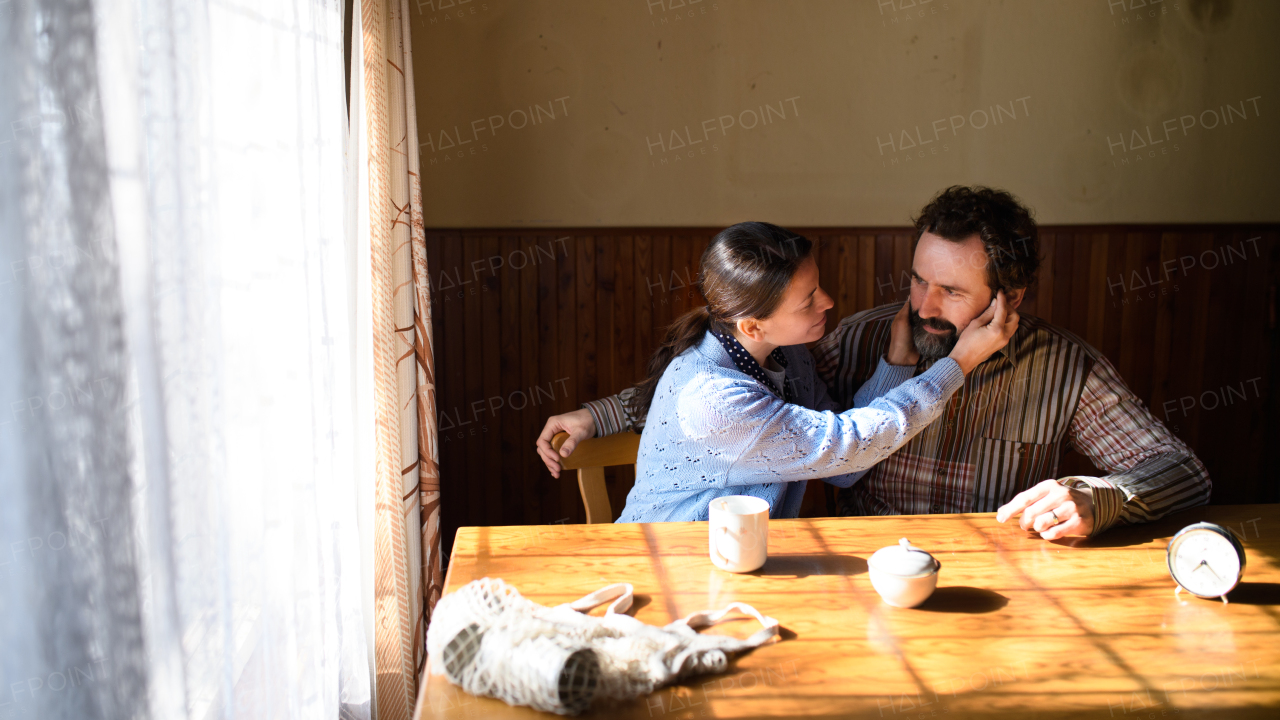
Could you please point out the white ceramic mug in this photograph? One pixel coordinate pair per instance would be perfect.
(739, 532)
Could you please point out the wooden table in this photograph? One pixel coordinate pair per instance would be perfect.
(1018, 627)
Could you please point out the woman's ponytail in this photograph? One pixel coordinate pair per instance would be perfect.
(743, 273)
(684, 333)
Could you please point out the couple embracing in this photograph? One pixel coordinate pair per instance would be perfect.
(948, 403)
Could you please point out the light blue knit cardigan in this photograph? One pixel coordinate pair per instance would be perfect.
(713, 430)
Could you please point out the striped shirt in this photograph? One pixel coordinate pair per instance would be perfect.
(1005, 430)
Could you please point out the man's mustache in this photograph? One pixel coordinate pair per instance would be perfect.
(935, 323)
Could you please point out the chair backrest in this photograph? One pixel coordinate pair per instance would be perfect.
(590, 458)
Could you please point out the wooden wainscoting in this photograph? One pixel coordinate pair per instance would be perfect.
(528, 323)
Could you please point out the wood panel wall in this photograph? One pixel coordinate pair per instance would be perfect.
(530, 323)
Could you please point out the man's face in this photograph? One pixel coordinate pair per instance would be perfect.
(948, 290)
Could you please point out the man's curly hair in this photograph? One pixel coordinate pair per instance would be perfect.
(1008, 232)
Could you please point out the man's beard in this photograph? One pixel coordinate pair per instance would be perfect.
(929, 345)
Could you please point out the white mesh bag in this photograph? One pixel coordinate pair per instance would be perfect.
(489, 640)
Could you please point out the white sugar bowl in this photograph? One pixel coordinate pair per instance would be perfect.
(904, 575)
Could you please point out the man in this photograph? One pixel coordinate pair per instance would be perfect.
(1007, 428)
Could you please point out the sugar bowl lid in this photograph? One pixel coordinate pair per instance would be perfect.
(904, 560)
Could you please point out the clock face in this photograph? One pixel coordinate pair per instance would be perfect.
(1204, 561)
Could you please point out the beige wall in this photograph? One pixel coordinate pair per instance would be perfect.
(874, 107)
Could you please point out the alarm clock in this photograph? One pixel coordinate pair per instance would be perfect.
(1206, 560)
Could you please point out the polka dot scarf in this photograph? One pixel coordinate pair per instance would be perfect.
(748, 364)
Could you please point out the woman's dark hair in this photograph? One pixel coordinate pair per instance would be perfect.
(1007, 230)
(744, 273)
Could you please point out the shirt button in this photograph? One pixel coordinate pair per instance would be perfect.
(942, 472)
(936, 508)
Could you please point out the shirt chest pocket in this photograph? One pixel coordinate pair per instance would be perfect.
(1004, 468)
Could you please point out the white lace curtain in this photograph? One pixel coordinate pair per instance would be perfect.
(185, 442)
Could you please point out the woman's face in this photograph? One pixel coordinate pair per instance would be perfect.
(801, 317)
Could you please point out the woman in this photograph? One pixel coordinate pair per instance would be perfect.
(735, 406)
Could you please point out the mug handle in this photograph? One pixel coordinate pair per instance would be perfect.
(716, 555)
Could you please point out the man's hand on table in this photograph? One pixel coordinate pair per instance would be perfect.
(578, 424)
(1036, 507)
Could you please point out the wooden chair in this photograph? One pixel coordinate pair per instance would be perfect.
(590, 458)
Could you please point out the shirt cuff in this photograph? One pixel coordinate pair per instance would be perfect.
(947, 374)
(1108, 500)
(607, 414)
